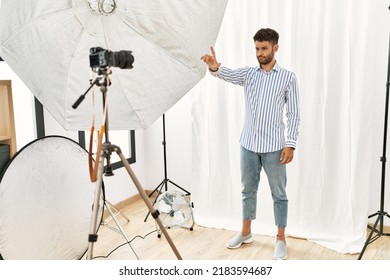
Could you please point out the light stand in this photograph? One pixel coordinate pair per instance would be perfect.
(109, 206)
(165, 181)
(381, 213)
(106, 151)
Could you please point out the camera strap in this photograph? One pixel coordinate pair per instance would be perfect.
(93, 167)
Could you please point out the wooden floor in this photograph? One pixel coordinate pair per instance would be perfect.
(206, 243)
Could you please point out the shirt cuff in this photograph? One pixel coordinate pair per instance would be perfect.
(215, 73)
(291, 144)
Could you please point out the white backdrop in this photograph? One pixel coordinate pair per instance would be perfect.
(339, 51)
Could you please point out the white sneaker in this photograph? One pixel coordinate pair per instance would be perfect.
(280, 252)
(238, 239)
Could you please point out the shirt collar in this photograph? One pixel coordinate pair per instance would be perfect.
(275, 68)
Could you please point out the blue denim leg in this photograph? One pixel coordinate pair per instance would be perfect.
(251, 165)
(250, 177)
(277, 179)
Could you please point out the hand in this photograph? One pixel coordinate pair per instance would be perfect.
(287, 155)
(211, 60)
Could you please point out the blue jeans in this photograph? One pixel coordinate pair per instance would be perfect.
(251, 165)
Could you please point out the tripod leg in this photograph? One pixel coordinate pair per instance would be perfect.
(369, 238)
(158, 189)
(193, 219)
(92, 237)
(109, 204)
(155, 213)
(121, 230)
(186, 192)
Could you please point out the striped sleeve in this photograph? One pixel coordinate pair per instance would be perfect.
(236, 76)
(292, 112)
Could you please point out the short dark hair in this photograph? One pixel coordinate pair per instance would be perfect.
(266, 34)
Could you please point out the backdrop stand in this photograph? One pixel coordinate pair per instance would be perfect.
(165, 181)
(381, 213)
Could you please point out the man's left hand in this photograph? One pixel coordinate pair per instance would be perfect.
(287, 155)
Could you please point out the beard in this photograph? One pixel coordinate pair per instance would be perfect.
(265, 60)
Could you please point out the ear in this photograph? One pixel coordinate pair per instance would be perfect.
(276, 47)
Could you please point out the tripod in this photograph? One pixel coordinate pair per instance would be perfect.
(104, 152)
(165, 181)
(381, 213)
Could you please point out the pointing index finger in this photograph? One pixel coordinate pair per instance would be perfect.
(212, 51)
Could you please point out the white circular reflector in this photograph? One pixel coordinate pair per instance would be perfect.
(46, 200)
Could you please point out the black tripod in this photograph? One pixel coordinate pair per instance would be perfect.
(381, 213)
(165, 181)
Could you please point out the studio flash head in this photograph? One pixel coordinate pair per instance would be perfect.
(100, 59)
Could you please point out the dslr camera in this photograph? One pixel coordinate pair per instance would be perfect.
(100, 59)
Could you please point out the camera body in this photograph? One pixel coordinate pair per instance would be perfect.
(100, 59)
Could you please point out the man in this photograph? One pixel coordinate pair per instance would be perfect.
(268, 90)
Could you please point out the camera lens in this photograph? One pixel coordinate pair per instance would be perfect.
(122, 59)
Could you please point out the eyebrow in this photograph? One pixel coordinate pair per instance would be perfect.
(263, 47)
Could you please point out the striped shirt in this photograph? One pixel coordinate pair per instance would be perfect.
(266, 95)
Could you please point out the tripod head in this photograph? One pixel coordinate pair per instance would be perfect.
(103, 75)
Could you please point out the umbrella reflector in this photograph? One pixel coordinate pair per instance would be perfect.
(47, 45)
